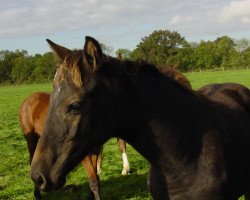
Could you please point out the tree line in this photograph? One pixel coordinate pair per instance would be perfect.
(161, 47)
(18, 67)
(166, 48)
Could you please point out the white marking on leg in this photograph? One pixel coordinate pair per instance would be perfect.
(126, 167)
(99, 163)
(99, 166)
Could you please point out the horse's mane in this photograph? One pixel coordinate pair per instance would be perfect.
(74, 63)
(137, 67)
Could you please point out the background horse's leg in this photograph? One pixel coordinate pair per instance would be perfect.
(91, 169)
(122, 148)
(99, 162)
(32, 139)
(157, 184)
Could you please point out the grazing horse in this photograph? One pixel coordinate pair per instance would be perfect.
(198, 145)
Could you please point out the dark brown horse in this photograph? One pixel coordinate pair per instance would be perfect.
(32, 115)
(198, 145)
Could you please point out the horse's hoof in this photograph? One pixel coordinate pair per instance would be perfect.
(125, 171)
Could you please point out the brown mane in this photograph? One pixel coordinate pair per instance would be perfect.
(72, 63)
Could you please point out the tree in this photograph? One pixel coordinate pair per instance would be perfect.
(159, 46)
(45, 67)
(21, 71)
(7, 62)
(242, 44)
(224, 48)
(204, 55)
(184, 59)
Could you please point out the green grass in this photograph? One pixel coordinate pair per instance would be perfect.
(14, 167)
(199, 79)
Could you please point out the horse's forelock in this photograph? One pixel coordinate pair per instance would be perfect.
(71, 63)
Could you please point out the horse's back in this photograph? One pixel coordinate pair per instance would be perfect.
(177, 76)
(231, 94)
(33, 111)
(233, 102)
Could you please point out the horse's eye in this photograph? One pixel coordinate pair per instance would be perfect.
(74, 108)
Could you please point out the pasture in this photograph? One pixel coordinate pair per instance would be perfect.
(14, 166)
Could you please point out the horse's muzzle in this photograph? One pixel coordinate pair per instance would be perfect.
(41, 181)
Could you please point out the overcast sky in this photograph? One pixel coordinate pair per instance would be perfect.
(25, 24)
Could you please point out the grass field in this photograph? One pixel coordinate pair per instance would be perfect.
(14, 167)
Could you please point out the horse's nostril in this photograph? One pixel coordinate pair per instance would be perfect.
(41, 181)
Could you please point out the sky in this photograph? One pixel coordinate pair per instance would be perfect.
(25, 24)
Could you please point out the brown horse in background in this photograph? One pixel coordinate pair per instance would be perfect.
(176, 75)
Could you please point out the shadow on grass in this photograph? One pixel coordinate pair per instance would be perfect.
(123, 187)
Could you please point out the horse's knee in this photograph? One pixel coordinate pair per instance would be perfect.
(121, 145)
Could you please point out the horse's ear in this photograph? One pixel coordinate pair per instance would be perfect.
(60, 51)
(92, 53)
(119, 56)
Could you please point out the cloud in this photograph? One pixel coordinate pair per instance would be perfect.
(29, 18)
(180, 19)
(236, 10)
(47, 16)
(245, 20)
(121, 23)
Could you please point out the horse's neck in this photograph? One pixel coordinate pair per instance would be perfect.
(161, 108)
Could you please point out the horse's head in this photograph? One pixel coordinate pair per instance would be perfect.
(79, 116)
